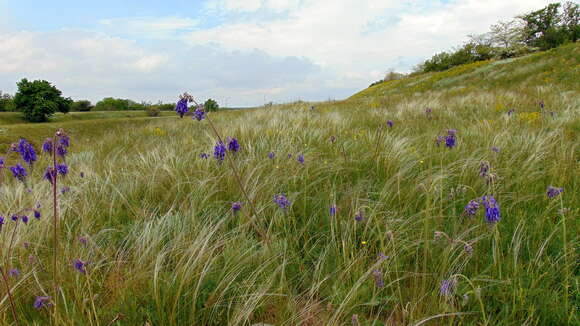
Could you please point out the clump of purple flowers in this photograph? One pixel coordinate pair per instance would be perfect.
(181, 107)
(80, 266)
(471, 208)
(233, 145)
(554, 191)
(332, 210)
(492, 212)
(447, 287)
(19, 172)
(41, 302)
(282, 201)
(219, 151)
(300, 159)
(236, 206)
(199, 113)
(378, 275)
(26, 151)
(450, 139)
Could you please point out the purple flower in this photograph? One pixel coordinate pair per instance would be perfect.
(451, 132)
(24, 219)
(37, 214)
(511, 111)
(447, 287)
(80, 266)
(26, 151)
(84, 241)
(492, 212)
(300, 159)
(450, 141)
(382, 257)
(289, 156)
(41, 302)
(47, 145)
(199, 113)
(1, 222)
(354, 320)
(541, 104)
(495, 149)
(82, 174)
(14, 272)
(61, 151)
(282, 201)
(236, 206)
(332, 139)
(50, 174)
(1, 162)
(219, 151)
(378, 275)
(62, 169)
(19, 172)
(439, 140)
(468, 248)
(390, 123)
(204, 155)
(271, 155)
(63, 138)
(233, 145)
(428, 111)
(332, 210)
(64, 190)
(471, 208)
(14, 217)
(554, 191)
(359, 216)
(181, 107)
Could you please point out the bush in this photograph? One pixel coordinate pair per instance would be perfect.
(38, 100)
(210, 106)
(153, 110)
(81, 106)
(112, 104)
(6, 103)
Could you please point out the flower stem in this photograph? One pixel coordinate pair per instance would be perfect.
(12, 307)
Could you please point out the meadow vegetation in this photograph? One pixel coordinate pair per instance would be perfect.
(379, 226)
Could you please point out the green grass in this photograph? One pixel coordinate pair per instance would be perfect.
(164, 247)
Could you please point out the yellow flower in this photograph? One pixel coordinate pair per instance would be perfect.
(364, 243)
(421, 161)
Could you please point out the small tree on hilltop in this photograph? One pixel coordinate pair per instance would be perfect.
(38, 100)
(210, 106)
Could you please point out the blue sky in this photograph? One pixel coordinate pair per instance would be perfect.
(242, 52)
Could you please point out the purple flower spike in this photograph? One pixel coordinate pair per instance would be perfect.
(450, 141)
(41, 302)
(1, 222)
(300, 159)
(26, 151)
(236, 206)
(219, 151)
(14, 217)
(199, 113)
(50, 174)
(1, 162)
(181, 107)
(19, 172)
(233, 145)
(282, 201)
(471, 208)
(332, 210)
(62, 169)
(554, 191)
(492, 212)
(378, 275)
(24, 219)
(47, 146)
(37, 215)
(80, 266)
(359, 217)
(447, 287)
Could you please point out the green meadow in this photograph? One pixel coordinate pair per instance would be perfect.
(165, 248)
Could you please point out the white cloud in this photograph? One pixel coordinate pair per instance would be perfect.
(155, 27)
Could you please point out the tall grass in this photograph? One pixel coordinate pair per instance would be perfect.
(164, 247)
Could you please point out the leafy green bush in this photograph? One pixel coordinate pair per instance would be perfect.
(6, 103)
(82, 106)
(38, 100)
(210, 105)
(153, 110)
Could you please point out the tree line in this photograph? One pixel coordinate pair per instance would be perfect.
(39, 99)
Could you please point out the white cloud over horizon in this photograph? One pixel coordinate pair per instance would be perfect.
(253, 51)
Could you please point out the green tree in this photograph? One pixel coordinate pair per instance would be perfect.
(210, 106)
(38, 100)
(6, 102)
(81, 106)
(547, 28)
(112, 104)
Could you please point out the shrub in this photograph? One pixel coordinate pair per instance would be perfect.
(210, 105)
(82, 106)
(153, 110)
(38, 100)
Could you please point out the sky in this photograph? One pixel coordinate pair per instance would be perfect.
(239, 52)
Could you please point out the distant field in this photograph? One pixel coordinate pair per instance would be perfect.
(376, 230)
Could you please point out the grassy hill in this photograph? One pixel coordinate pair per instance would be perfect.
(164, 247)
